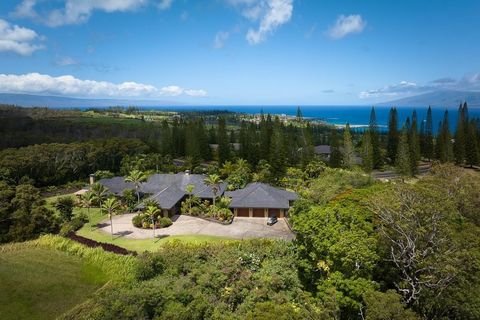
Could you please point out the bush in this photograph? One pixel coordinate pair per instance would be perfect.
(138, 221)
(65, 206)
(145, 222)
(165, 222)
(73, 225)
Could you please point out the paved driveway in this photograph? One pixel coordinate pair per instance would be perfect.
(186, 225)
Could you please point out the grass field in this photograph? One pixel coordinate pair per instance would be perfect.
(41, 283)
(140, 245)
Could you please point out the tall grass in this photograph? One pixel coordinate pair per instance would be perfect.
(118, 268)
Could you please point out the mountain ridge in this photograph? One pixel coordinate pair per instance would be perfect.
(439, 98)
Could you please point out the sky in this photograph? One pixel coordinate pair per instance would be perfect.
(239, 52)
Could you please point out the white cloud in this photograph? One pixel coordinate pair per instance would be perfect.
(25, 9)
(18, 39)
(346, 25)
(220, 39)
(165, 4)
(278, 13)
(68, 85)
(196, 92)
(270, 13)
(76, 11)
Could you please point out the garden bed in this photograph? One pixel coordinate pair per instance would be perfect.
(105, 246)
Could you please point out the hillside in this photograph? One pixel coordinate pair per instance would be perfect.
(28, 100)
(444, 98)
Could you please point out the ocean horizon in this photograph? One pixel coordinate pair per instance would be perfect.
(355, 116)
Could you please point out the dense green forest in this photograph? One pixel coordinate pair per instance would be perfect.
(364, 249)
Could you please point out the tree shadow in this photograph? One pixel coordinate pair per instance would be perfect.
(160, 237)
(122, 234)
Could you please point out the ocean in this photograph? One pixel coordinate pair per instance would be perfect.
(356, 116)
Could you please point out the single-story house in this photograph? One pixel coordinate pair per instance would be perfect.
(261, 200)
(168, 190)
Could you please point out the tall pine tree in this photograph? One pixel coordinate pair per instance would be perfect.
(348, 152)
(392, 138)
(472, 148)
(428, 146)
(223, 141)
(375, 140)
(414, 143)
(460, 136)
(403, 161)
(367, 152)
(444, 145)
(335, 153)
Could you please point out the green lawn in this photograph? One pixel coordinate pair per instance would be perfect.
(139, 245)
(40, 283)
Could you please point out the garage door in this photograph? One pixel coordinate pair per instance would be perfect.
(258, 213)
(242, 212)
(274, 212)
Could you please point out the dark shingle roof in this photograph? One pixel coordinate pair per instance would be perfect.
(168, 197)
(166, 189)
(116, 185)
(158, 182)
(261, 195)
(322, 149)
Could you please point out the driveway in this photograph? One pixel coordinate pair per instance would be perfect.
(240, 228)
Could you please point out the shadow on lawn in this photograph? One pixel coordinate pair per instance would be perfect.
(122, 234)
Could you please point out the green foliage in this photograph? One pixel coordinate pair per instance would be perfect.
(348, 151)
(402, 160)
(332, 182)
(336, 154)
(337, 249)
(57, 163)
(129, 198)
(65, 205)
(387, 306)
(246, 280)
(263, 172)
(104, 174)
(165, 222)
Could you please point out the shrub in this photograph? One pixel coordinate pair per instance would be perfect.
(138, 221)
(165, 222)
(149, 266)
(65, 206)
(73, 225)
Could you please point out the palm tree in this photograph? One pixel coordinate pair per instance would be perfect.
(152, 211)
(111, 207)
(86, 201)
(100, 192)
(136, 177)
(189, 189)
(213, 181)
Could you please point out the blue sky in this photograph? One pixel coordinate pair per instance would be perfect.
(239, 51)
